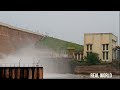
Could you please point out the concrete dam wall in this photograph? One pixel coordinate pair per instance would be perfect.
(16, 49)
(12, 38)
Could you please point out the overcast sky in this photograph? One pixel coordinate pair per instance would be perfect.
(65, 25)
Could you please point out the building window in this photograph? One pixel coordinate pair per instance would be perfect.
(87, 47)
(103, 46)
(103, 55)
(107, 55)
(106, 46)
(91, 47)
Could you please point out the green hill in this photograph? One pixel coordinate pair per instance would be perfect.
(57, 44)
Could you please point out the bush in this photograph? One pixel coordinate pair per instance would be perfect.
(92, 59)
(77, 63)
(74, 62)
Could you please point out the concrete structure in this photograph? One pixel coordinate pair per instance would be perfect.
(101, 43)
(116, 53)
(13, 38)
(21, 72)
(71, 52)
(74, 54)
(78, 56)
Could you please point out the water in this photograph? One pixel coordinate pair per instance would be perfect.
(74, 76)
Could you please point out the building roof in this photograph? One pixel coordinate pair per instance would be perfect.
(21, 29)
(99, 34)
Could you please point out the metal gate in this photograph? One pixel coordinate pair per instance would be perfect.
(21, 72)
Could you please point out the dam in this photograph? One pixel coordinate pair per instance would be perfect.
(21, 72)
(13, 38)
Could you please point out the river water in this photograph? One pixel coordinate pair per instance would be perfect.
(74, 76)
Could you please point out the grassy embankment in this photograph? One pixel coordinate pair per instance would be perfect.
(58, 45)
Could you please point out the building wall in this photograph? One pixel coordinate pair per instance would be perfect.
(97, 40)
(116, 53)
(12, 39)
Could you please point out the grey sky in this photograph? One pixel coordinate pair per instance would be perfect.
(65, 25)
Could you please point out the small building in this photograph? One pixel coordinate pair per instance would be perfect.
(100, 43)
(75, 54)
(70, 52)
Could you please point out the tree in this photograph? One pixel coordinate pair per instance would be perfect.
(92, 58)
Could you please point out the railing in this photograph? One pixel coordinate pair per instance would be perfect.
(19, 64)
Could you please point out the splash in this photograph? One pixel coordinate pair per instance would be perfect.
(28, 56)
